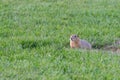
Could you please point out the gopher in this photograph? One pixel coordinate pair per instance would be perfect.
(76, 42)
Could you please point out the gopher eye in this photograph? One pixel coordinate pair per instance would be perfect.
(75, 36)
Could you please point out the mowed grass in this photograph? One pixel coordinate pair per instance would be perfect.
(34, 39)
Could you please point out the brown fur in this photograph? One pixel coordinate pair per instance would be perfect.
(75, 43)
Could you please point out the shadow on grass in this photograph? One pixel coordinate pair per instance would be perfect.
(41, 43)
(34, 44)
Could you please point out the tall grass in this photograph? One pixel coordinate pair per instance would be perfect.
(34, 39)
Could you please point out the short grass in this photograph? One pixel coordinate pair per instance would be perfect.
(34, 39)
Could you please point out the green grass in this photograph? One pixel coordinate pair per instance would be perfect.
(34, 39)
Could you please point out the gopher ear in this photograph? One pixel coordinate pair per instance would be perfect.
(71, 35)
(77, 35)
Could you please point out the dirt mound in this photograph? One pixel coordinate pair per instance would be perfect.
(115, 47)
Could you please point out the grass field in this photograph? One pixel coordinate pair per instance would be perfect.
(34, 39)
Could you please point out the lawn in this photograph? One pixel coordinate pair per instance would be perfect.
(34, 39)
